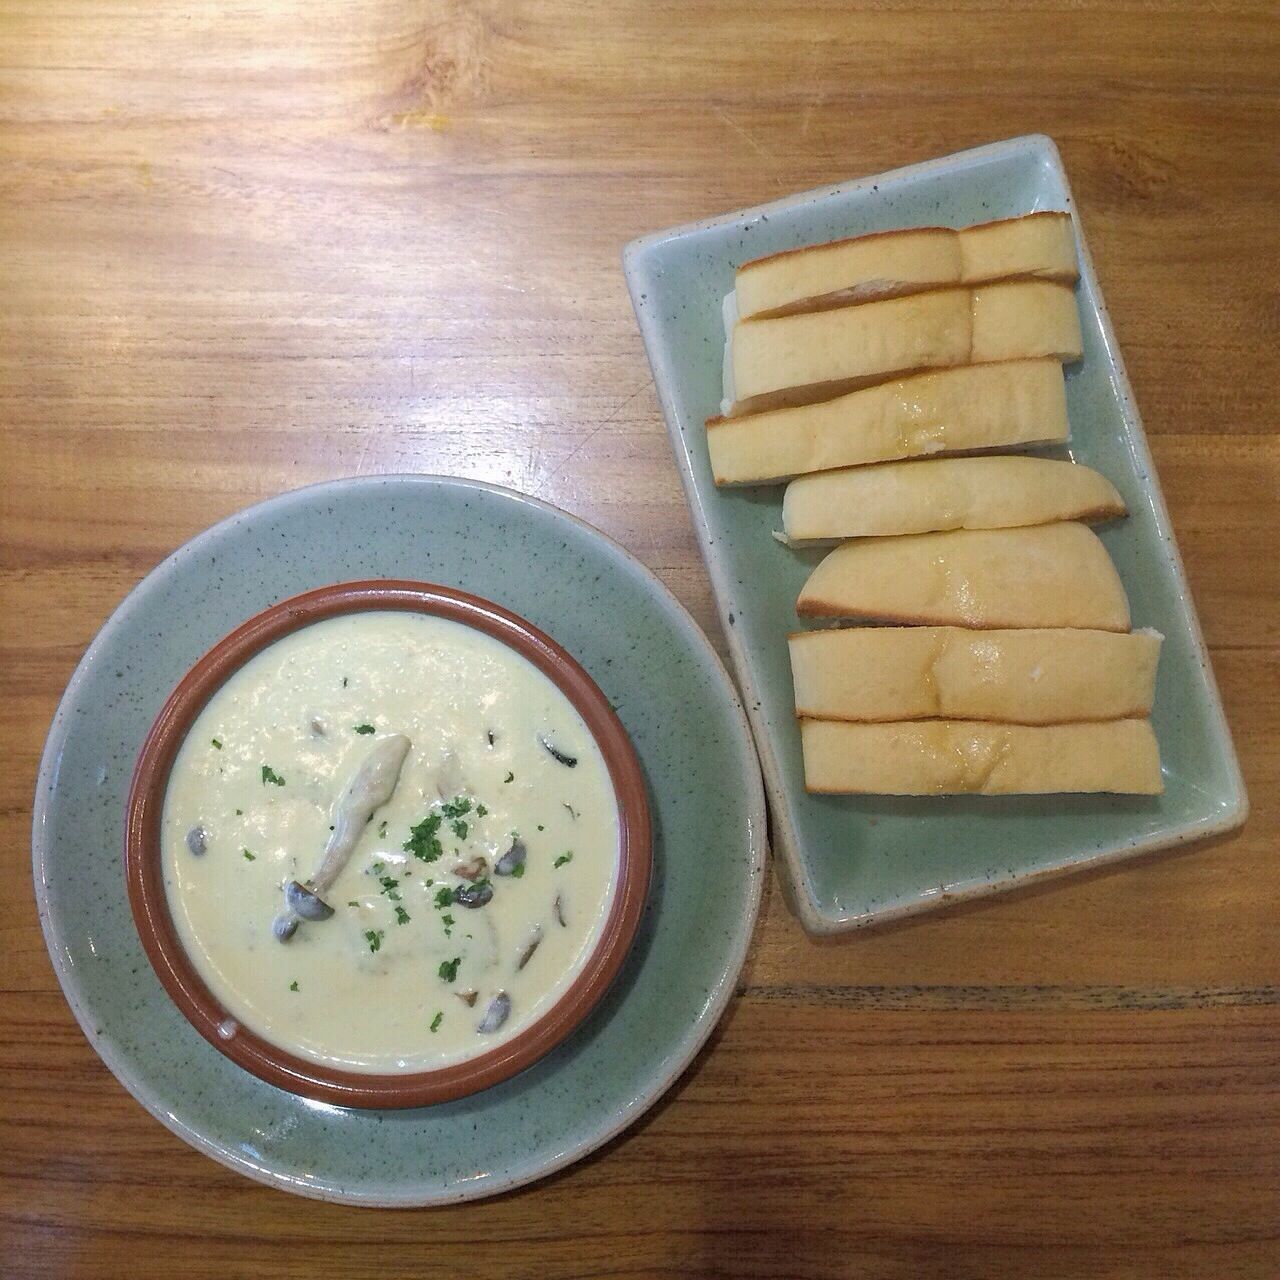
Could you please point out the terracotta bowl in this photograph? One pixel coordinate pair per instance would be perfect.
(150, 906)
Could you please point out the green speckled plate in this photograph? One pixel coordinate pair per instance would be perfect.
(677, 704)
(851, 861)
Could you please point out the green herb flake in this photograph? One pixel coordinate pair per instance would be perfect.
(271, 776)
(250, 857)
(365, 728)
(344, 682)
(437, 1020)
(424, 841)
(509, 778)
(382, 830)
(239, 813)
(456, 807)
(391, 887)
(374, 938)
(481, 811)
(459, 828)
(517, 871)
(444, 896)
(217, 743)
(353, 903)
(449, 969)
(563, 858)
(293, 986)
(541, 827)
(402, 916)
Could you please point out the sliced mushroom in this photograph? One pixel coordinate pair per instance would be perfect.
(198, 840)
(570, 762)
(473, 895)
(497, 1012)
(472, 870)
(317, 727)
(305, 904)
(513, 859)
(467, 997)
(531, 946)
(369, 789)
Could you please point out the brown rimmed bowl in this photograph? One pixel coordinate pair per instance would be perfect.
(150, 907)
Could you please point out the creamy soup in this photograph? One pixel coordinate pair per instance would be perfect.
(388, 843)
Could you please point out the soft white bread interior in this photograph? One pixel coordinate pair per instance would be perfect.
(1040, 244)
(1023, 677)
(894, 262)
(813, 356)
(944, 493)
(991, 406)
(1052, 575)
(935, 757)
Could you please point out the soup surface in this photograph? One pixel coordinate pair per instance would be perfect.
(465, 904)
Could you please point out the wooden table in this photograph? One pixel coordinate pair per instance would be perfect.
(247, 245)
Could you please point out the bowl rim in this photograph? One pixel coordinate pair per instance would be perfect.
(148, 900)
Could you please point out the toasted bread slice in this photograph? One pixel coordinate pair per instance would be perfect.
(798, 359)
(936, 757)
(890, 263)
(1019, 677)
(989, 406)
(944, 493)
(1051, 575)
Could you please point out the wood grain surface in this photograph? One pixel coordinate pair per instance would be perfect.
(248, 244)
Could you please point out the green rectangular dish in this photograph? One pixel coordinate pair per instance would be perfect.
(851, 861)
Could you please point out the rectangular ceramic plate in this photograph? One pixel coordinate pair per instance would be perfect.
(849, 861)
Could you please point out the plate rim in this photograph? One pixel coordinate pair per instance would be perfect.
(710, 1014)
(816, 921)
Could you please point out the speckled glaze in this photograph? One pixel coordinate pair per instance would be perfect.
(850, 861)
(671, 694)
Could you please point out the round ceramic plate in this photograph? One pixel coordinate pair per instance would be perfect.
(672, 695)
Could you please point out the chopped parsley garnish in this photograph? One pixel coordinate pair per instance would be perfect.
(293, 986)
(563, 858)
(444, 896)
(344, 682)
(402, 916)
(447, 921)
(374, 938)
(353, 903)
(449, 969)
(509, 778)
(437, 1020)
(456, 807)
(364, 728)
(518, 870)
(217, 742)
(459, 828)
(239, 813)
(423, 841)
(391, 887)
(541, 827)
(250, 857)
(271, 776)
(382, 830)
(481, 811)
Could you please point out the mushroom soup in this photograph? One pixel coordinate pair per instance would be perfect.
(389, 843)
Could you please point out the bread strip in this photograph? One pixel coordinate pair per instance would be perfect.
(944, 493)
(891, 263)
(936, 757)
(980, 407)
(814, 356)
(1021, 677)
(1052, 575)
